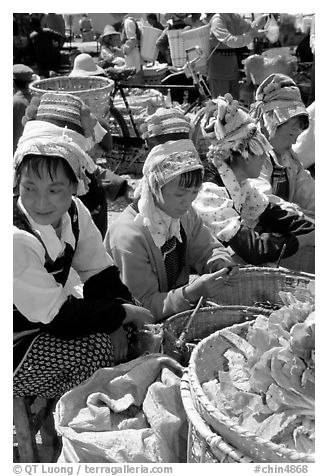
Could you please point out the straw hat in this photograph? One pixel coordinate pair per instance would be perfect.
(108, 31)
(85, 66)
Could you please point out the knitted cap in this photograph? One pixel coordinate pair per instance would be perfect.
(278, 99)
(21, 72)
(61, 109)
(165, 121)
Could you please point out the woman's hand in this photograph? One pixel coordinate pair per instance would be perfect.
(210, 285)
(120, 345)
(138, 315)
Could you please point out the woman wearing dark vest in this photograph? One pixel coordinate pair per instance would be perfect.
(159, 240)
(283, 117)
(60, 336)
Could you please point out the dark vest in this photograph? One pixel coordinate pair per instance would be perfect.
(59, 269)
(279, 181)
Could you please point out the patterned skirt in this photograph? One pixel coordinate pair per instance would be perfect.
(54, 365)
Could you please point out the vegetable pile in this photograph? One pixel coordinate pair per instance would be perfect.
(266, 384)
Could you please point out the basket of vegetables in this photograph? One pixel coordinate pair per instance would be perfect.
(206, 321)
(205, 446)
(253, 384)
(260, 286)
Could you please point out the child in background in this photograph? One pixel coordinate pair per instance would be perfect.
(59, 339)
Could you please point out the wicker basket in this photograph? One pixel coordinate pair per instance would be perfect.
(198, 37)
(148, 50)
(206, 321)
(205, 362)
(259, 285)
(93, 90)
(177, 50)
(204, 446)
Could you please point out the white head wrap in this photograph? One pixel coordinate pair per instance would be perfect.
(44, 138)
(163, 164)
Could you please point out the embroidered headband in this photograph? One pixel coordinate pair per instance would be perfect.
(163, 164)
(165, 121)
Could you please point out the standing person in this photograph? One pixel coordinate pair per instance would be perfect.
(60, 339)
(86, 28)
(54, 21)
(22, 77)
(194, 20)
(283, 117)
(131, 37)
(175, 21)
(160, 237)
(235, 210)
(45, 45)
(153, 21)
(228, 32)
(110, 48)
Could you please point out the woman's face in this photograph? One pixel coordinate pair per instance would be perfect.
(176, 199)
(46, 199)
(286, 135)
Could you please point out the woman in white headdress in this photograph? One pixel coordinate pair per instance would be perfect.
(159, 238)
(60, 339)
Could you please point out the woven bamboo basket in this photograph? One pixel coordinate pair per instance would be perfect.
(205, 446)
(258, 285)
(177, 49)
(93, 90)
(205, 362)
(206, 321)
(198, 37)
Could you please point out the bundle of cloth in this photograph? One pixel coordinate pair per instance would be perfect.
(131, 413)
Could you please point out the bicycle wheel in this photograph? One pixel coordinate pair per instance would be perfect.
(117, 125)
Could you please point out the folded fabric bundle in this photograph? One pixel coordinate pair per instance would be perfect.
(129, 413)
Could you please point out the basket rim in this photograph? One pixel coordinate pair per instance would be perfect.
(217, 307)
(110, 83)
(212, 439)
(250, 437)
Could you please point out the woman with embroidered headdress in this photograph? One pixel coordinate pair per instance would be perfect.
(283, 117)
(61, 339)
(159, 238)
(239, 214)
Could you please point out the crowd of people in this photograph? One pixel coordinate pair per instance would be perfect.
(251, 202)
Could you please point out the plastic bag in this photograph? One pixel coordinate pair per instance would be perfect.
(272, 29)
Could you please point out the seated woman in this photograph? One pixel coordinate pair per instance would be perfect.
(283, 117)
(159, 238)
(61, 339)
(111, 53)
(239, 214)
